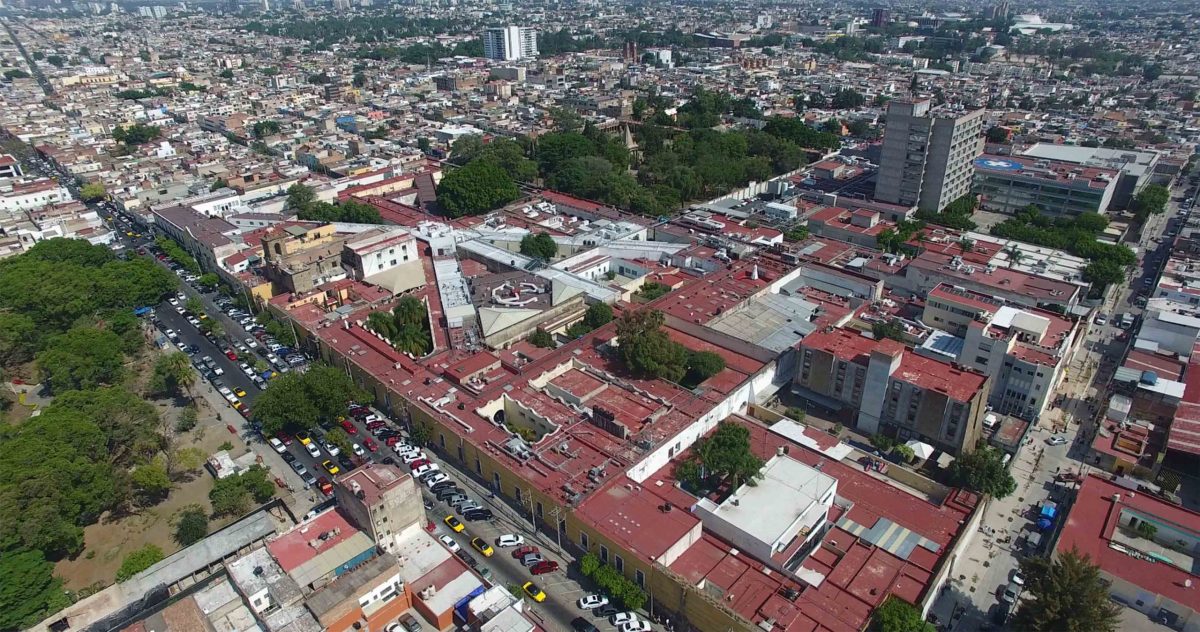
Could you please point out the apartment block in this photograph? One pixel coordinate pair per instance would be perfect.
(896, 392)
(1024, 350)
(509, 43)
(927, 153)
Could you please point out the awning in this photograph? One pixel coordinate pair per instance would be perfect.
(920, 449)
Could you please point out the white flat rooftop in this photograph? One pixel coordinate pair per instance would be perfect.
(787, 497)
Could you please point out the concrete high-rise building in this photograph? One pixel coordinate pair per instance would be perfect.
(880, 18)
(927, 154)
(510, 43)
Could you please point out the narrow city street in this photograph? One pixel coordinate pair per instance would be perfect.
(972, 595)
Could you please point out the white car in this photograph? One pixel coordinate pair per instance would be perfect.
(450, 543)
(510, 539)
(592, 601)
(252, 343)
(435, 479)
(412, 457)
(636, 625)
(313, 450)
(333, 450)
(1056, 440)
(1101, 319)
(277, 445)
(173, 301)
(425, 469)
(622, 618)
(358, 450)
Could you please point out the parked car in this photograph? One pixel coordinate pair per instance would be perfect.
(454, 524)
(277, 445)
(481, 545)
(313, 450)
(510, 539)
(622, 618)
(587, 602)
(450, 543)
(543, 567)
(534, 591)
(579, 624)
(479, 514)
(522, 551)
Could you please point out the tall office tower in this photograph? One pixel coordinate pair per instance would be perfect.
(927, 153)
(266, 6)
(880, 18)
(509, 43)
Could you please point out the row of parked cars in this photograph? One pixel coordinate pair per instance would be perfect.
(281, 358)
(599, 606)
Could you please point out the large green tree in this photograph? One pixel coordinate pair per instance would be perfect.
(539, 246)
(1065, 594)
(191, 525)
(29, 591)
(646, 349)
(285, 405)
(81, 358)
(478, 187)
(897, 615)
(983, 471)
(1151, 200)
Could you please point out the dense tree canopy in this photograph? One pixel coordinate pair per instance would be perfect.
(539, 246)
(646, 349)
(299, 401)
(1076, 235)
(81, 358)
(1151, 200)
(723, 456)
(478, 187)
(897, 615)
(136, 134)
(983, 471)
(29, 591)
(59, 283)
(1065, 594)
(407, 326)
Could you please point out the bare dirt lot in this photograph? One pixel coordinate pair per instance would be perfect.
(108, 542)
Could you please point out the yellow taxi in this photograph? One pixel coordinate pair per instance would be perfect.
(330, 466)
(304, 438)
(534, 592)
(454, 524)
(483, 547)
(239, 391)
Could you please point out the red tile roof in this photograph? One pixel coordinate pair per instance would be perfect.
(1092, 521)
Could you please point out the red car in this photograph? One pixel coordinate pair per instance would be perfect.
(349, 426)
(370, 445)
(360, 411)
(375, 424)
(522, 551)
(543, 567)
(393, 440)
(418, 463)
(285, 438)
(231, 355)
(325, 486)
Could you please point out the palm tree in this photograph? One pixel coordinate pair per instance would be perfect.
(382, 323)
(412, 339)
(179, 370)
(410, 310)
(1014, 255)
